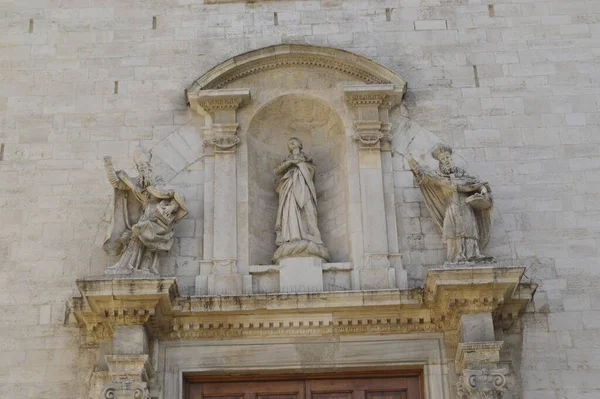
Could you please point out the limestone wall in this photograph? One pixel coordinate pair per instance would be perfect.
(512, 86)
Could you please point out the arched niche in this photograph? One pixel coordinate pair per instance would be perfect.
(329, 98)
(322, 133)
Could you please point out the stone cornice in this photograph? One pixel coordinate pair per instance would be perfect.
(156, 304)
(215, 100)
(371, 95)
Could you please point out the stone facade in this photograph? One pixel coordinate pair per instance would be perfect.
(512, 87)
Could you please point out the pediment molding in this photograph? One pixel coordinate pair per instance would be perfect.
(296, 55)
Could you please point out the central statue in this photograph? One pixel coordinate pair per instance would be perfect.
(296, 226)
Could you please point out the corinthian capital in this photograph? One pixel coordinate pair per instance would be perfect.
(485, 383)
(129, 375)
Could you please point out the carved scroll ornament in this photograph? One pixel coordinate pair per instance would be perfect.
(482, 383)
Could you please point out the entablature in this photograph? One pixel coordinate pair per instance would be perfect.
(154, 302)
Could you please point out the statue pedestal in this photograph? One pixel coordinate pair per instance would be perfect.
(302, 274)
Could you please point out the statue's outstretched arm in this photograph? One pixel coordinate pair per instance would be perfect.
(112, 175)
(417, 170)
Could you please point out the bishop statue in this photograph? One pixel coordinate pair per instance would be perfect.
(459, 203)
(143, 215)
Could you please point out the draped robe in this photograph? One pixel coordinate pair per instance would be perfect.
(297, 233)
(139, 227)
(446, 198)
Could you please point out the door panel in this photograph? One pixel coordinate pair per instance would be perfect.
(316, 388)
(248, 390)
(331, 395)
(283, 396)
(365, 388)
(387, 395)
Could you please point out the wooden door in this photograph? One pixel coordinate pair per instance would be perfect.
(314, 387)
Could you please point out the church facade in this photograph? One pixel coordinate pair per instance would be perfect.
(300, 199)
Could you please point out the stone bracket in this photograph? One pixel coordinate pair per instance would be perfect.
(105, 303)
(476, 289)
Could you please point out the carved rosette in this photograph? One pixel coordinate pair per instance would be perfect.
(486, 383)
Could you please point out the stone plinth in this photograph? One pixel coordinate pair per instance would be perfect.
(304, 274)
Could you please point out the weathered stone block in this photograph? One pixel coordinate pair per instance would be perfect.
(303, 274)
(477, 327)
(130, 340)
